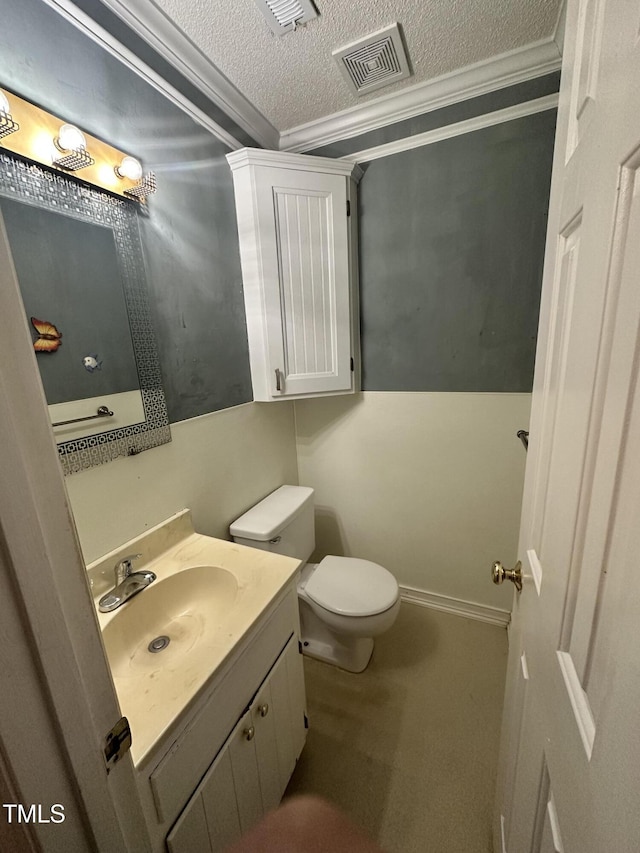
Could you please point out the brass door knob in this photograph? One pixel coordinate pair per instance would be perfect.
(499, 574)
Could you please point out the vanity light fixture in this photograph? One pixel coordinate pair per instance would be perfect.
(7, 124)
(146, 186)
(55, 144)
(73, 146)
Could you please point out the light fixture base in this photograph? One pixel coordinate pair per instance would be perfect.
(74, 160)
(146, 186)
(7, 124)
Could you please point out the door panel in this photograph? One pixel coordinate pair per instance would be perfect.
(578, 613)
(314, 339)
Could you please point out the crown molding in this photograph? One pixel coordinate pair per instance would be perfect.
(287, 160)
(527, 108)
(508, 69)
(67, 10)
(559, 29)
(149, 22)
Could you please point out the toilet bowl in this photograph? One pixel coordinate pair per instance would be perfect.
(339, 628)
(344, 601)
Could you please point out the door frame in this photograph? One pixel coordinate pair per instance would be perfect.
(59, 700)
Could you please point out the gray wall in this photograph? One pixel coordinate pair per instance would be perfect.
(452, 245)
(451, 249)
(189, 235)
(451, 234)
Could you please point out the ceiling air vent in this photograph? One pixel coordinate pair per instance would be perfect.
(285, 15)
(375, 61)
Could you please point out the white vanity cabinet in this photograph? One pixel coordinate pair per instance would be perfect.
(250, 773)
(298, 249)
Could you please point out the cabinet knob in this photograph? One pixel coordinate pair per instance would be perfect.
(249, 733)
(264, 710)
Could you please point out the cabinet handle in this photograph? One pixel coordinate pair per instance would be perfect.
(264, 710)
(278, 388)
(249, 733)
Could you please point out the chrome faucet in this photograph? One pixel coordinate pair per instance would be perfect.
(127, 584)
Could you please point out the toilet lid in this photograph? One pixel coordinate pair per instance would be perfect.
(352, 587)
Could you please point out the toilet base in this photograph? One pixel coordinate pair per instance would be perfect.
(320, 642)
(354, 659)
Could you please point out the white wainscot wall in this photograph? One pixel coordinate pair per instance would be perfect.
(429, 485)
(218, 465)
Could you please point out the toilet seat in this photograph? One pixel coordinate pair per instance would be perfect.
(352, 587)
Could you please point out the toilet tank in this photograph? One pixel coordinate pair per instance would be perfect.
(282, 522)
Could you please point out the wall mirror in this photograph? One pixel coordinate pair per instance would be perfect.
(79, 262)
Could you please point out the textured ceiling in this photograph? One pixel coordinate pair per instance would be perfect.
(294, 79)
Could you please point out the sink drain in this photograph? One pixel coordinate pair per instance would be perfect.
(158, 644)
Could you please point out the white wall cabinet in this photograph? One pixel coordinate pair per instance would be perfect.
(250, 773)
(297, 232)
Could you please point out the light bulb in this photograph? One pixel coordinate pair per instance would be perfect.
(129, 168)
(70, 138)
(4, 103)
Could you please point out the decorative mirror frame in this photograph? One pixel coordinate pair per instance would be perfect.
(35, 186)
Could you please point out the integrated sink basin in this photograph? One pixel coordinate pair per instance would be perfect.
(166, 644)
(186, 611)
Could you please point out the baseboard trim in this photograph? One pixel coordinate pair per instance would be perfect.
(456, 606)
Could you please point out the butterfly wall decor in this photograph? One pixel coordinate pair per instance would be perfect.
(48, 336)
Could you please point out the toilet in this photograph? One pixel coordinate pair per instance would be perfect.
(344, 602)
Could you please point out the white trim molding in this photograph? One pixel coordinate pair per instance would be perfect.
(83, 22)
(508, 69)
(548, 102)
(150, 23)
(456, 606)
(560, 27)
(301, 162)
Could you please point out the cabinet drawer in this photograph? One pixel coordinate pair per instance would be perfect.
(178, 774)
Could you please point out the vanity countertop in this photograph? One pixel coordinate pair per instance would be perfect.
(208, 595)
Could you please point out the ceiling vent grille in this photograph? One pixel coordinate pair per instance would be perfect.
(283, 16)
(375, 61)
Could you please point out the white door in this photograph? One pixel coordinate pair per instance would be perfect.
(57, 700)
(569, 774)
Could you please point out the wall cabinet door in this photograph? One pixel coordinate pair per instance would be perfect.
(299, 275)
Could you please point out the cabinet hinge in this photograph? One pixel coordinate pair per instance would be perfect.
(352, 365)
(306, 721)
(117, 742)
(348, 208)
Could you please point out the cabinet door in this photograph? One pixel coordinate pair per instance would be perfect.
(212, 819)
(190, 832)
(306, 282)
(294, 241)
(263, 714)
(244, 765)
(280, 724)
(220, 805)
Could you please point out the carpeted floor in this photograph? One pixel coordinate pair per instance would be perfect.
(408, 748)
